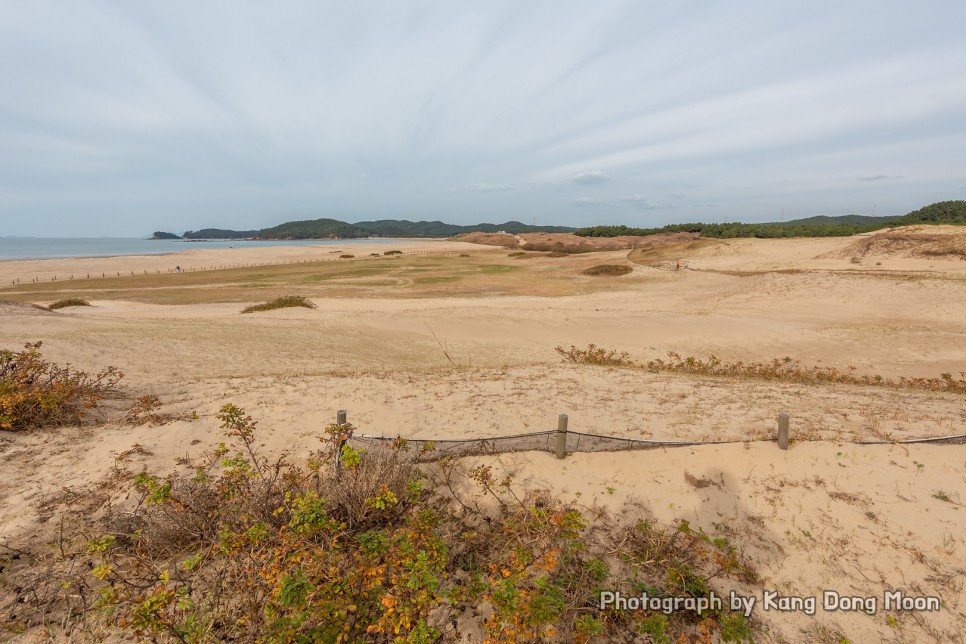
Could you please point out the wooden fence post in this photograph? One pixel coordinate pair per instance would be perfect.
(783, 430)
(561, 435)
(340, 420)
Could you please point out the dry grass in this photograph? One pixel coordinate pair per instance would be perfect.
(286, 301)
(781, 369)
(607, 270)
(73, 301)
(907, 242)
(660, 254)
(390, 276)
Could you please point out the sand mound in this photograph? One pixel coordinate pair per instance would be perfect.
(940, 242)
(570, 243)
(9, 307)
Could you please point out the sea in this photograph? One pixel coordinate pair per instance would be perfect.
(50, 248)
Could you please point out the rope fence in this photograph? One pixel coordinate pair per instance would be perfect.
(562, 441)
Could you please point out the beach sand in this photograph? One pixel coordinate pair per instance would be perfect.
(828, 513)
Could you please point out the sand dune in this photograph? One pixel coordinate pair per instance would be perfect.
(826, 514)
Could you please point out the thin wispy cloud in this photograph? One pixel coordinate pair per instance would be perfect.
(590, 178)
(633, 201)
(124, 118)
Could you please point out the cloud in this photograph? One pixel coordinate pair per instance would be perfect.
(190, 120)
(483, 187)
(641, 202)
(637, 201)
(590, 178)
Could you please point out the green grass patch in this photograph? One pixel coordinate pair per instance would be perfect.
(498, 268)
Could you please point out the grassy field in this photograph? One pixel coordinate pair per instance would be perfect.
(493, 273)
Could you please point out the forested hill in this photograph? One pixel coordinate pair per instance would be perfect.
(333, 228)
(218, 233)
(943, 212)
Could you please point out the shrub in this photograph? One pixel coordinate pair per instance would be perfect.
(346, 256)
(246, 549)
(282, 302)
(393, 252)
(73, 301)
(37, 393)
(595, 355)
(608, 270)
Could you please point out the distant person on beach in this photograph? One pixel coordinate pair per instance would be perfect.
(177, 269)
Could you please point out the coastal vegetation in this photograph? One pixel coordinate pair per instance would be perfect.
(285, 301)
(236, 546)
(163, 235)
(71, 301)
(781, 369)
(391, 276)
(944, 212)
(35, 392)
(608, 270)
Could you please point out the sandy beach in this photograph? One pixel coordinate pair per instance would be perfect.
(429, 349)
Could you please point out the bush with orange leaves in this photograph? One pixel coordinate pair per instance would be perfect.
(35, 392)
(393, 549)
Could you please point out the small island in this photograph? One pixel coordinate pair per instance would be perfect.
(163, 235)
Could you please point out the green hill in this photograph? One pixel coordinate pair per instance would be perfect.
(335, 229)
(851, 220)
(312, 229)
(218, 233)
(944, 212)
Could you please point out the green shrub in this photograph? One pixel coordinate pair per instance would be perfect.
(393, 252)
(73, 301)
(282, 302)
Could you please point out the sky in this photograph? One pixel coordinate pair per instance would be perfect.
(120, 118)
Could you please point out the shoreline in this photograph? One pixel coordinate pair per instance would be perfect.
(262, 243)
(43, 269)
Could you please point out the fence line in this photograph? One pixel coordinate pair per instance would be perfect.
(562, 441)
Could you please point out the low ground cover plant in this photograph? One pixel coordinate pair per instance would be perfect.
(784, 369)
(236, 546)
(72, 301)
(285, 301)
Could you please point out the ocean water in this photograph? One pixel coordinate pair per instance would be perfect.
(48, 248)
